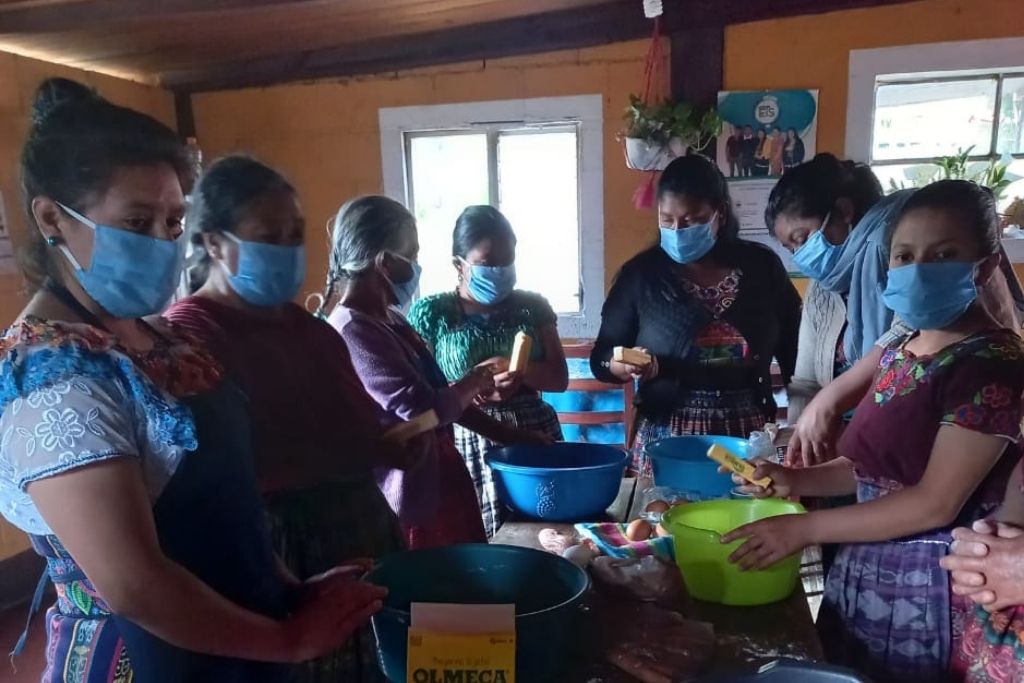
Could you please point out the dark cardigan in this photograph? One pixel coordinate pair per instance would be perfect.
(648, 307)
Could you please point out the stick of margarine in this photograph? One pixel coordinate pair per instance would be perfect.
(733, 463)
(521, 348)
(631, 356)
(404, 431)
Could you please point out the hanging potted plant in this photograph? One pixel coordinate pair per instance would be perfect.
(655, 134)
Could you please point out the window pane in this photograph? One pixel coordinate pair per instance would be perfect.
(1011, 117)
(925, 120)
(538, 180)
(905, 176)
(447, 173)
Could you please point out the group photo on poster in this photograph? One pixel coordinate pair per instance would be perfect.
(766, 131)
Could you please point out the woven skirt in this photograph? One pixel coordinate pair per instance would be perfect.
(320, 528)
(716, 413)
(527, 411)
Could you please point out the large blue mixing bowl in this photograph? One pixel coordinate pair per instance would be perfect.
(564, 482)
(682, 463)
(546, 590)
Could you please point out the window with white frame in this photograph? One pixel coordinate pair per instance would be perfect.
(537, 161)
(920, 117)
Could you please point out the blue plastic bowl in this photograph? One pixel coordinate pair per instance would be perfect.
(546, 590)
(682, 463)
(564, 482)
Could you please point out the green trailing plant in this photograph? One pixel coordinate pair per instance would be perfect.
(659, 123)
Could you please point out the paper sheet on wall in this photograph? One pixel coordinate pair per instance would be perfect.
(749, 200)
(8, 262)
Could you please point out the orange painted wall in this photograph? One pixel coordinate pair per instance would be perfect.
(813, 51)
(19, 78)
(325, 135)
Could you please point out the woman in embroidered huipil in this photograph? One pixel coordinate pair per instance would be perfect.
(712, 310)
(930, 446)
(315, 435)
(124, 455)
(476, 325)
(373, 255)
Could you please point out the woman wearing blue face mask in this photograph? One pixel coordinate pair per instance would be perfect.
(476, 325)
(930, 447)
(315, 434)
(373, 263)
(713, 311)
(126, 455)
(832, 214)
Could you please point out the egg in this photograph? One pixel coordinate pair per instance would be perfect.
(661, 531)
(639, 530)
(657, 506)
(580, 555)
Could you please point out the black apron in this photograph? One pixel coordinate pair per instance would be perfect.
(210, 519)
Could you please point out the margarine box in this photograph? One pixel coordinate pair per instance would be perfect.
(461, 644)
(461, 658)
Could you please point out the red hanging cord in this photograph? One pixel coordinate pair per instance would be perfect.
(655, 90)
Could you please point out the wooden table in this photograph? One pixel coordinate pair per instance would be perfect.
(746, 637)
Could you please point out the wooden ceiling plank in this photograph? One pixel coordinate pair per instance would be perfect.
(189, 42)
(32, 17)
(567, 29)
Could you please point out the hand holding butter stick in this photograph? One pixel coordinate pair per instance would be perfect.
(630, 356)
(738, 465)
(403, 432)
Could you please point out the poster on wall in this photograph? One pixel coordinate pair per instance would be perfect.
(8, 264)
(749, 201)
(764, 133)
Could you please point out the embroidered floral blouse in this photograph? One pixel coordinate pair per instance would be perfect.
(71, 396)
(975, 384)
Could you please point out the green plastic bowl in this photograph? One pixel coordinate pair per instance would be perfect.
(704, 561)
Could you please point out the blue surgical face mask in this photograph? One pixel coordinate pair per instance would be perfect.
(131, 275)
(268, 274)
(817, 257)
(405, 291)
(931, 296)
(687, 245)
(491, 285)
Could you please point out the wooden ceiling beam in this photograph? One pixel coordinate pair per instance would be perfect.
(31, 16)
(614, 21)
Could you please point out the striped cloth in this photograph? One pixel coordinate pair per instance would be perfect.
(611, 539)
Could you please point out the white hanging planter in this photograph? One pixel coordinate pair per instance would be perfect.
(645, 155)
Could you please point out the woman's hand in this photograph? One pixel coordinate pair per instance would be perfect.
(627, 372)
(506, 382)
(987, 564)
(814, 436)
(476, 383)
(781, 485)
(341, 606)
(317, 586)
(769, 541)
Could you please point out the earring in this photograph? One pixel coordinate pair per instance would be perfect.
(52, 241)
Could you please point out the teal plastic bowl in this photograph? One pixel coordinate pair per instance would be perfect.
(546, 590)
(682, 463)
